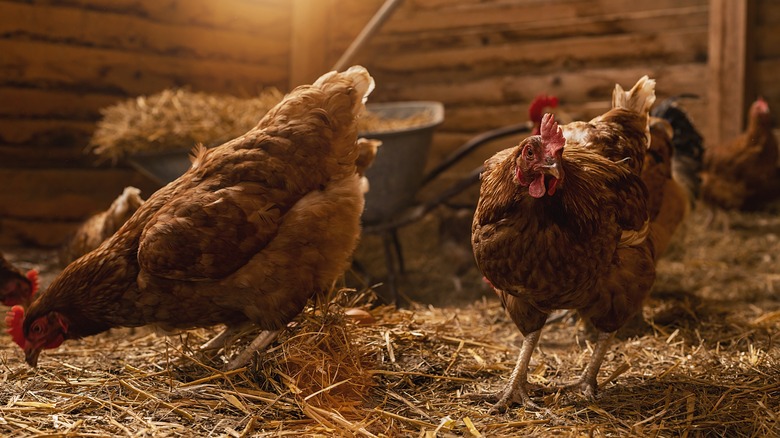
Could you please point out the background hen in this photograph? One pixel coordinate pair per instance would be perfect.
(16, 288)
(246, 236)
(101, 226)
(566, 227)
(742, 173)
(671, 194)
(687, 144)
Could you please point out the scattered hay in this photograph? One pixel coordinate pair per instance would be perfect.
(178, 119)
(705, 362)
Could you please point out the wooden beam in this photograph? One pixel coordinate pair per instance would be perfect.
(309, 40)
(729, 65)
(371, 28)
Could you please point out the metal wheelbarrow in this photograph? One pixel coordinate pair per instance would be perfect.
(397, 176)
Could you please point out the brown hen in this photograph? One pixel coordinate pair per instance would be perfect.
(101, 226)
(247, 235)
(562, 222)
(742, 172)
(16, 288)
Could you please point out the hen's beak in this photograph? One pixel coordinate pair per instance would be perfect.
(31, 356)
(553, 169)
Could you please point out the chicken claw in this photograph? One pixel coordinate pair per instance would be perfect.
(516, 390)
(587, 383)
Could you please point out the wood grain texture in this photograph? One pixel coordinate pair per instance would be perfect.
(484, 59)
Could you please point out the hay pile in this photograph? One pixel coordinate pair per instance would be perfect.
(178, 119)
(703, 362)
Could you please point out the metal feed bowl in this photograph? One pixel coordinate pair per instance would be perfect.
(397, 172)
(161, 167)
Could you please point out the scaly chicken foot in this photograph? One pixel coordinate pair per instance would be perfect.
(516, 390)
(219, 341)
(263, 340)
(587, 383)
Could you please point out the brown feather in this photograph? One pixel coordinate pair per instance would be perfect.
(742, 172)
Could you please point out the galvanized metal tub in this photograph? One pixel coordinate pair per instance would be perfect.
(397, 172)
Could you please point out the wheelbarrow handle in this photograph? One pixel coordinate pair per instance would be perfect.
(474, 143)
(416, 213)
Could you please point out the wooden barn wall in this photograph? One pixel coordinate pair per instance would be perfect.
(62, 60)
(765, 52)
(486, 60)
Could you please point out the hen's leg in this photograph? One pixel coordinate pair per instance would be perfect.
(516, 390)
(262, 341)
(221, 339)
(587, 382)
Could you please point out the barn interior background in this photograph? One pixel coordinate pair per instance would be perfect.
(485, 60)
(706, 362)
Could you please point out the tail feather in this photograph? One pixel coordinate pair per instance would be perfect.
(330, 106)
(638, 99)
(357, 76)
(127, 203)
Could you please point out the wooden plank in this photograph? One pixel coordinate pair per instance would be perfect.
(64, 194)
(768, 13)
(728, 59)
(43, 207)
(687, 45)
(766, 42)
(469, 14)
(39, 156)
(308, 48)
(130, 33)
(766, 84)
(42, 103)
(88, 69)
(603, 6)
(36, 232)
(631, 22)
(576, 86)
(478, 118)
(239, 15)
(46, 132)
(637, 23)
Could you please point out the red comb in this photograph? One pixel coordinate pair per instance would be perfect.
(32, 275)
(13, 320)
(761, 105)
(538, 105)
(552, 134)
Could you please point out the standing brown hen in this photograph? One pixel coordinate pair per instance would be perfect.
(562, 222)
(247, 235)
(742, 172)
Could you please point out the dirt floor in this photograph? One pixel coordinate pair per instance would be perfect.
(702, 361)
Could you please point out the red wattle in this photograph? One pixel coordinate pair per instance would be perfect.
(537, 189)
(13, 320)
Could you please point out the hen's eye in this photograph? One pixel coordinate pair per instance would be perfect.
(36, 329)
(529, 153)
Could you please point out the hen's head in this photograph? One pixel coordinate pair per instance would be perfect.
(36, 333)
(759, 111)
(539, 163)
(20, 290)
(536, 109)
